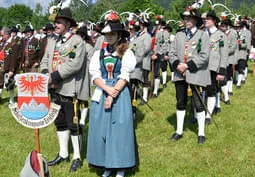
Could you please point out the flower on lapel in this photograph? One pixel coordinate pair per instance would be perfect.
(221, 44)
(193, 44)
(199, 46)
(72, 54)
(132, 47)
(38, 48)
(9, 51)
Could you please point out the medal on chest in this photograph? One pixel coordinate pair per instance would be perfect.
(212, 45)
(186, 51)
(55, 60)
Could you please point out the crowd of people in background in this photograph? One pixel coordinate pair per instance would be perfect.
(127, 62)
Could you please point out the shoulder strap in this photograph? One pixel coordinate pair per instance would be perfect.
(101, 54)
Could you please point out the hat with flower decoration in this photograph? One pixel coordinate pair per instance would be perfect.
(113, 24)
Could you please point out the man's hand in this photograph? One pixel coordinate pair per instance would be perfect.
(35, 64)
(154, 57)
(166, 58)
(10, 74)
(220, 77)
(182, 67)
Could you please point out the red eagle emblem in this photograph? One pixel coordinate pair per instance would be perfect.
(32, 85)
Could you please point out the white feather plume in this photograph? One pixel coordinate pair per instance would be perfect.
(64, 4)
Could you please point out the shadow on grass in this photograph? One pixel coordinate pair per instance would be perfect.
(188, 121)
(4, 100)
(139, 116)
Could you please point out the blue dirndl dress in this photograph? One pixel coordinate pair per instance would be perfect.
(111, 141)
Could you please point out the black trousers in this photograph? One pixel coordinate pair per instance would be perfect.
(160, 63)
(146, 82)
(182, 97)
(64, 121)
(215, 86)
(242, 63)
(134, 85)
(229, 75)
(212, 89)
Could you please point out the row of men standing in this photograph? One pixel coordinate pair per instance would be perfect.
(19, 53)
(198, 58)
(206, 56)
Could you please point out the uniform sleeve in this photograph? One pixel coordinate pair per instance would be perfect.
(232, 43)
(201, 60)
(147, 45)
(14, 58)
(94, 66)
(173, 58)
(44, 64)
(224, 56)
(128, 65)
(156, 43)
(42, 45)
(248, 40)
(167, 43)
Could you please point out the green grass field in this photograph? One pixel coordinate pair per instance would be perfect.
(227, 152)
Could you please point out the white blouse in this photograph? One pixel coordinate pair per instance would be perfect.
(128, 65)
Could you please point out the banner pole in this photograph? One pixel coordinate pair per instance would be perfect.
(37, 140)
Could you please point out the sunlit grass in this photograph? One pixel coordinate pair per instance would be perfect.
(228, 151)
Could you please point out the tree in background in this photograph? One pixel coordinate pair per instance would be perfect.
(177, 7)
(80, 11)
(135, 6)
(18, 14)
(38, 19)
(101, 6)
(3, 16)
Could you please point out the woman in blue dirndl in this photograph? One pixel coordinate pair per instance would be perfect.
(111, 143)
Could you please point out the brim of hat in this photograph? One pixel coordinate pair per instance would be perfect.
(46, 29)
(199, 19)
(107, 29)
(225, 23)
(214, 17)
(25, 31)
(73, 22)
(14, 31)
(187, 14)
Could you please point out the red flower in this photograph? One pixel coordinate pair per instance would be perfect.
(159, 17)
(112, 17)
(132, 22)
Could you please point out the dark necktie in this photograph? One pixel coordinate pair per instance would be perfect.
(209, 32)
(62, 39)
(188, 33)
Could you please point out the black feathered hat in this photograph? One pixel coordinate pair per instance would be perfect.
(66, 13)
(113, 24)
(191, 12)
(213, 15)
(28, 28)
